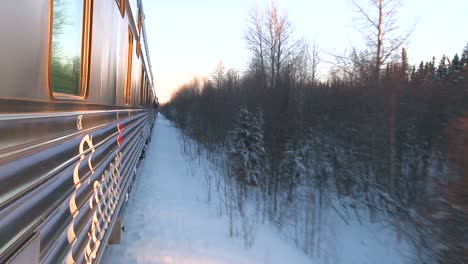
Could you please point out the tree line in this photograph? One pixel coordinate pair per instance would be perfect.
(378, 139)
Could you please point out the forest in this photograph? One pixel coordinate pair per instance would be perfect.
(374, 140)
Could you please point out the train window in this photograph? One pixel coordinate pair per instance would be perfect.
(128, 85)
(121, 5)
(140, 21)
(142, 85)
(144, 88)
(138, 48)
(147, 92)
(69, 49)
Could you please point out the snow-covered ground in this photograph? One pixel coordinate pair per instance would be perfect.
(167, 219)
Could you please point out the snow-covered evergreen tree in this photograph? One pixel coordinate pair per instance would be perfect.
(246, 147)
(292, 168)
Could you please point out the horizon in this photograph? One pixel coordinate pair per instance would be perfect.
(201, 34)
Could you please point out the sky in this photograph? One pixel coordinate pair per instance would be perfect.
(189, 38)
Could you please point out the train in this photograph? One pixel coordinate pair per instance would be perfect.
(77, 106)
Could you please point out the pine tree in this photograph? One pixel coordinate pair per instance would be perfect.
(413, 72)
(456, 62)
(259, 144)
(292, 168)
(442, 68)
(404, 64)
(465, 53)
(421, 67)
(247, 151)
(455, 69)
(420, 73)
(464, 57)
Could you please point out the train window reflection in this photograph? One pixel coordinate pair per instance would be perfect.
(140, 21)
(128, 84)
(121, 5)
(134, 8)
(66, 61)
(142, 84)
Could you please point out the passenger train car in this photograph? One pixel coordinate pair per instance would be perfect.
(77, 105)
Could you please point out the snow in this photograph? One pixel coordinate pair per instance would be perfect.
(361, 243)
(167, 219)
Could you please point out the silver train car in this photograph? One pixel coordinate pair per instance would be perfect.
(77, 105)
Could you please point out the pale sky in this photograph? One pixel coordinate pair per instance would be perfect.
(189, 38)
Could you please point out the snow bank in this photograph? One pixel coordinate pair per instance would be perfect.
(167, 219)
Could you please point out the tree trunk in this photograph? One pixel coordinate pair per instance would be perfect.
(378, 58)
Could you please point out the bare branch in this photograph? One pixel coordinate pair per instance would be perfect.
(365, 14)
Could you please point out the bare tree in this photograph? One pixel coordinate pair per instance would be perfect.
(280, 44)
(314, 61)
(218, 75)
(255, 38)
(378, 24)
(305, 63)
(270, 37)
(352, 67)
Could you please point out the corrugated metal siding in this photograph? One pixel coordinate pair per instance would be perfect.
(64, 176)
